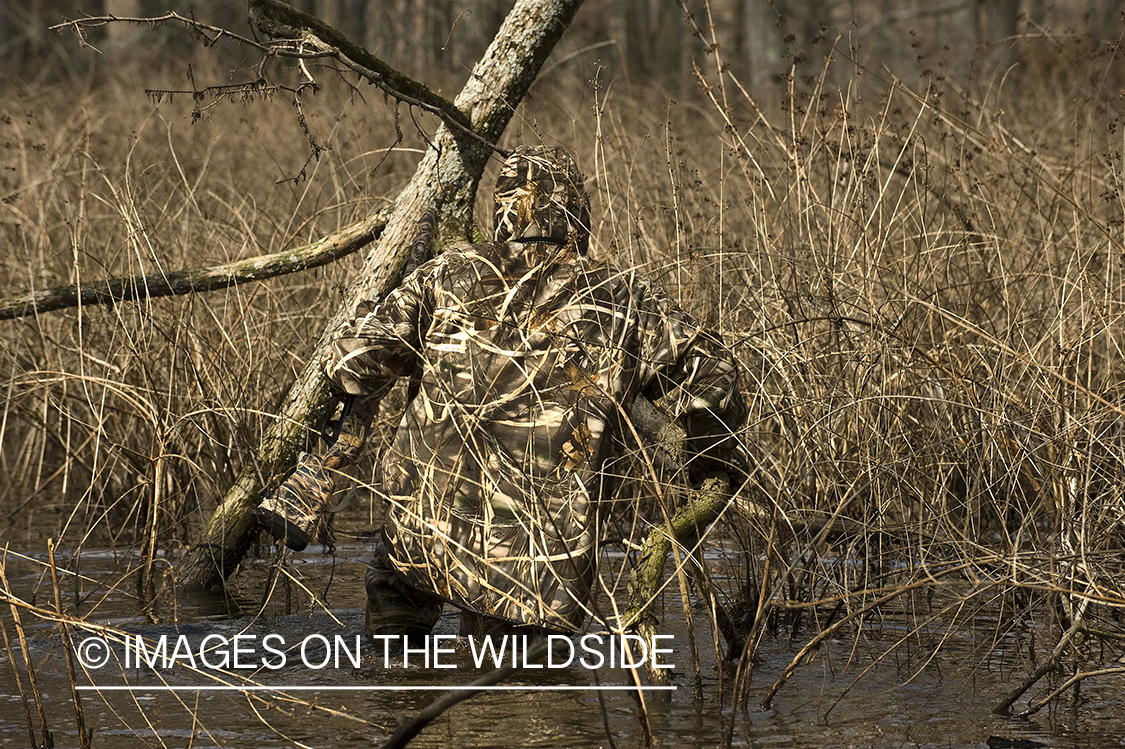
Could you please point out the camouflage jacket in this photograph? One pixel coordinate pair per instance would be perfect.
(529, 359)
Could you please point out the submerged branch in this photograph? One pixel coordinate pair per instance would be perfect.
(1076, 678)
(814, 644)
(1046, 666)
(323, 251)
(408, 730)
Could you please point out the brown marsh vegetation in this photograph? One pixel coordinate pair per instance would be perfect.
(923, 274)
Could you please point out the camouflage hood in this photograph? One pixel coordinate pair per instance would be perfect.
(539, 196)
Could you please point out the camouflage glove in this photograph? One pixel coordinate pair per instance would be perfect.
(294, 514)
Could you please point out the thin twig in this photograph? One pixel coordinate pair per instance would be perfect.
(68, 648)
(37, 697)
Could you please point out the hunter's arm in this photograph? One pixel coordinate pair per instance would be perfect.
(380, 343)
(682, 360)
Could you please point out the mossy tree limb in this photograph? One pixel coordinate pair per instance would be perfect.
(333, 247)
(685, 529)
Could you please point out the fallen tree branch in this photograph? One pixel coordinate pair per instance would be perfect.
(324, 251)
(282, 21)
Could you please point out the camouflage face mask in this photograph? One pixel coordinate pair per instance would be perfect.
(539, 195)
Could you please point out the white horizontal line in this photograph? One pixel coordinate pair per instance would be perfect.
(400, 688)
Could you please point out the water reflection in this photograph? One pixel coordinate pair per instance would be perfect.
(852, 694)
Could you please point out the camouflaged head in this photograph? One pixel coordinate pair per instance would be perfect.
(539, 195)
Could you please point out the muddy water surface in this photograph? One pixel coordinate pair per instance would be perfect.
(852, 695)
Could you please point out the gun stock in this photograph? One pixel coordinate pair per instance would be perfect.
(294, 513)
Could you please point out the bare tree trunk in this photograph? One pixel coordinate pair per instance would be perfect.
(1103, 18)
(120, 35)
(758, 42)
(653, 41)
(447, 175)
(997, 19)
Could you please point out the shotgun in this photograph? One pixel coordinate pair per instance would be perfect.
(294, 512)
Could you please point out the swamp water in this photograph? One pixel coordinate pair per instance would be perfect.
(853, 694)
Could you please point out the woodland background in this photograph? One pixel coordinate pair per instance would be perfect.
(759, 38)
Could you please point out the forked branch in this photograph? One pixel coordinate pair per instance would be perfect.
(299, 35)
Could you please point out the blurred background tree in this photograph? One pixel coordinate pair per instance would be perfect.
(648, 40)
